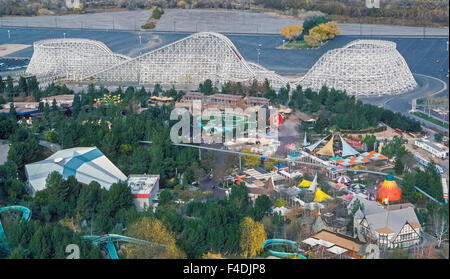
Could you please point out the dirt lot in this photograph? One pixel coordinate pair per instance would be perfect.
(7, 49)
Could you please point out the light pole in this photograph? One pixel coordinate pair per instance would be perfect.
(64, 34)
(258, 51)
(9, 34)
(283, 43)
(140, 44)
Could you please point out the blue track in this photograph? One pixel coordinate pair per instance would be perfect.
(109, 240)
(26, 215)
(275, 241)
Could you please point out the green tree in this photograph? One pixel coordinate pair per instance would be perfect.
(438, 137)
(24, 147)
(280, 203)
(10, 86)
(2, 85)
(12, 111)
(313, 22)
(261, 207)
(23, 88)
(398, 167)
(206, 87)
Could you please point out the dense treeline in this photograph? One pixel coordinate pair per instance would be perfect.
(28, 89)
(213, 226)
(337, 110)
(420, 12)
(34, 240)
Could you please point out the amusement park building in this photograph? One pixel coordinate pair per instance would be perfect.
(389, 227)
(87, 164)
(362, 67)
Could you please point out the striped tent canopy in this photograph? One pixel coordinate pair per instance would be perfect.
(358, 186)
(343, 179)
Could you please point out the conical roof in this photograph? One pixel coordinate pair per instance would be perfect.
(321, 196)
(318, 225)
(327, 150)
(313, 146)
(305, 140)
(347, 150)
(313, 186)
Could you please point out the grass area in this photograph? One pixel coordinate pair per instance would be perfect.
(432, 102)
(431, 119)
(297, 44)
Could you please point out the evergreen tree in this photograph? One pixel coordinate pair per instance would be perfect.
(2, 85)
(54, 106)
(12, 111)
(10, 86)
(23, 88)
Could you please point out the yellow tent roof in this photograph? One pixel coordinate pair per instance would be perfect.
(327, 150)
(305, 183)
(321, 195)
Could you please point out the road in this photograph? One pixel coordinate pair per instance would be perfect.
(402, 103)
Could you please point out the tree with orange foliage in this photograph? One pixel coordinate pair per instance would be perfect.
(292, 31)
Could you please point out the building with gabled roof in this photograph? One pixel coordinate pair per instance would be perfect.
(389, 228)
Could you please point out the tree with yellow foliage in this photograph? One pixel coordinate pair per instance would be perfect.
(152, 230)
(270, 163)
(292, 31)
(321, 33)
(252, 237)
(250, 161)
(210, 255)
(313, 39)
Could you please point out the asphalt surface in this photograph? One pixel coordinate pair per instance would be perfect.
(196, 20)
(424, 56)
(402, 103)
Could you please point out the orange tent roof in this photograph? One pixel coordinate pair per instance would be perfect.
(340, 161)
(365, 160)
